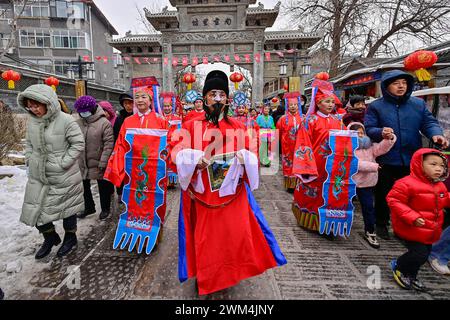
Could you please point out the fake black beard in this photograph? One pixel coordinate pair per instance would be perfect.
(214, 115)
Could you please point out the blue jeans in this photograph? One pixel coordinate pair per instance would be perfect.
(366, 198)
(441, 249)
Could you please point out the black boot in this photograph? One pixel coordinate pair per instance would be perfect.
(383, 232)
(69, 243)
(2, 295)
(86, 213)
(104, 214)
(51, 239)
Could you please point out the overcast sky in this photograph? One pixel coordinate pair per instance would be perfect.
(126, 17)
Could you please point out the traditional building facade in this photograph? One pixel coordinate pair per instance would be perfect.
(217, 30)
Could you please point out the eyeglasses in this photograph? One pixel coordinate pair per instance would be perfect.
(34, 107)
(216, 94)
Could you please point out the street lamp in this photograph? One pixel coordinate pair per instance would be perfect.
(80, 83)
(71, 73)
(306, 69)
(90, 71)
(283, 68)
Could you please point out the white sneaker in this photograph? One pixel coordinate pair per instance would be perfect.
(439, 268)
(371, 238)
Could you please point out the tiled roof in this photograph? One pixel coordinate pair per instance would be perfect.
(288, 35)
(137, 39)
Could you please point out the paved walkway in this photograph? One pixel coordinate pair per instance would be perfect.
(316, 269)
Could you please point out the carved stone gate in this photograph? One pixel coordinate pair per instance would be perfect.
(217, 30)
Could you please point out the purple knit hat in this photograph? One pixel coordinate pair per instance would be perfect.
(85, 104)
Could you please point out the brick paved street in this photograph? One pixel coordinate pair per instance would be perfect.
(316, 269)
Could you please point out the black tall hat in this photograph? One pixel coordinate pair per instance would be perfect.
(216, 80)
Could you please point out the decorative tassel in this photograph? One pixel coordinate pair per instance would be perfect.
(423, 75)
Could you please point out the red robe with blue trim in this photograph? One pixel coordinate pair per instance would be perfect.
(288, 126)
(222, 240)
(311, 152)
(252, 130)
(115, 172)
(174, 124)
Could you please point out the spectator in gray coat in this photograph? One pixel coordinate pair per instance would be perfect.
(99, 138)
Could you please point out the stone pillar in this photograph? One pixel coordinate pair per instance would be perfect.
(258, 74)
(167, 75)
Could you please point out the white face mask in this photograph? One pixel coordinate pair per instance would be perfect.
(85, 114)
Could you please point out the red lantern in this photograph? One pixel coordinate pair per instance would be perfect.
(236, 78)
(274, 100)
(189, 79)
(420, 60)
(52, 82)
(322, 76)
(285, 87)
(11, 76)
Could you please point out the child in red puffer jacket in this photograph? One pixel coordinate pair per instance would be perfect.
(417, 202)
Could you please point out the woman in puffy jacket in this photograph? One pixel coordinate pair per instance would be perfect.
(54, 189)
(416, 203)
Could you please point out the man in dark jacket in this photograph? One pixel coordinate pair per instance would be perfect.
(276, 111)
(126, 101)
(397, 112)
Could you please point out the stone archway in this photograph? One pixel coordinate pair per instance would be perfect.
(212, 29)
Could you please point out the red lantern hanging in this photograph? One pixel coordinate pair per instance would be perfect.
(274, 100)
(322, 76)
(189, 79)
(236, 77)
(52, 82)
(11, 76)
(285, 87)
(420, 60)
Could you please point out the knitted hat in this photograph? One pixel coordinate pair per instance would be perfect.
(85, 104)
(355, 126)
(108, 107)
(216, 80)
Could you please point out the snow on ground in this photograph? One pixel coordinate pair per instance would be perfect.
(19, 242)
(8, 170)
